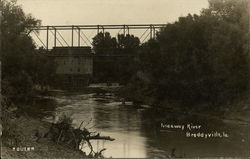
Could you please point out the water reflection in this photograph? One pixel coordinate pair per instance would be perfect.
(236, 145)
(138, 133)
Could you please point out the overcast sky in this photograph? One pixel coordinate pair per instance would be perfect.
(83, 12)
(72, 12)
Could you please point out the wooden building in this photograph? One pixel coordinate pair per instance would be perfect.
(74, 66)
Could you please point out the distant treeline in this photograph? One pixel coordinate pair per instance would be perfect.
(197, 59)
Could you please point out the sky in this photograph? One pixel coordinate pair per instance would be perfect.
(101, 12)
(73, 12)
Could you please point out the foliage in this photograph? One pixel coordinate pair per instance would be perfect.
(64, 122)
(127, 44)
(22, 66)
(43, 70)
(200, 59)
(119, 66)
(18, 87)
(103, 43)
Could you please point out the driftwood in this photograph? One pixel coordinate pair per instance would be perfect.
(98, 137)
(63, 133)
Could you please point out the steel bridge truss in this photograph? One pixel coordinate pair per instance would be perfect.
(77, 33)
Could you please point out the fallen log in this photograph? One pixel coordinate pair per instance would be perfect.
(63, 132)
(98, 137)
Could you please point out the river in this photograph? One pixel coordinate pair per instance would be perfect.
(138, 132)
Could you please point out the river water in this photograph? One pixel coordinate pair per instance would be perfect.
(139, 132)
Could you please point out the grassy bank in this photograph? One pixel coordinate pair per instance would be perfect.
(23, 131)
(24, 128)
(22, 121)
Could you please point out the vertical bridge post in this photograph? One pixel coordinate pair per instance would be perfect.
(55, 38)
(47, 39)
(79, 37)
(72, 36)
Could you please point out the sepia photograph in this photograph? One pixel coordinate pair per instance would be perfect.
(124, 79)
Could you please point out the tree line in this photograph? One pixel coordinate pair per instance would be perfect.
(197, 59)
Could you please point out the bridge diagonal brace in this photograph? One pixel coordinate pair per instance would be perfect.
(144, 33)
(79, 36)
(39, 39)
(56, 38)
(146, 37)
(62, 38)
(86, 37)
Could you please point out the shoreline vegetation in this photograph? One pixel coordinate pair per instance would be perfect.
(25, 133)
(30, 131)
(45, 139)
(196, 65)
(237, 111)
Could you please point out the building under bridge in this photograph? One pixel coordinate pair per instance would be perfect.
(74, 66)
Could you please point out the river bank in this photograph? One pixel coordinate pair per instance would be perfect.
(138, 132)
(28, 146)
(21, 125)
(237, 111)
(135, 129)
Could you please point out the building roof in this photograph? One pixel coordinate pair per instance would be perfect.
(71, 51)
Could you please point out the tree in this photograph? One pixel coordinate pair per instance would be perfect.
(20, 60)
(103, 43)
(201, 59)
(229, 46)
(111, 68)
(127, 41)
